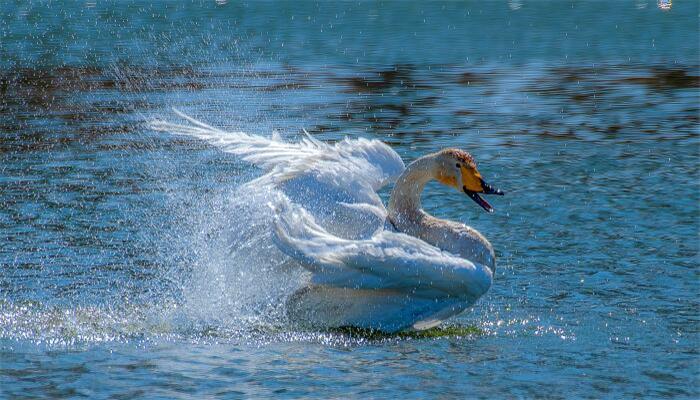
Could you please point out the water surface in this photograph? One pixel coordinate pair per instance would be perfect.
(129, 266)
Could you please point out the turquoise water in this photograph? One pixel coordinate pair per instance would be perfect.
(132, 266)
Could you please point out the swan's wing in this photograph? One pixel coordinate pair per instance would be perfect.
(389, 260)
(362, 161)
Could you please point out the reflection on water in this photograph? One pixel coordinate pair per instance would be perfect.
(665, 4)
(129, 257)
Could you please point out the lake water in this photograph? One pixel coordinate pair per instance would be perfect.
(129, 267)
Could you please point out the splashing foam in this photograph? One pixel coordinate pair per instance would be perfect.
(223, 279)
(238, 277)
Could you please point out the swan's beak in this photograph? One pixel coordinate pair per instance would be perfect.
(485, 188)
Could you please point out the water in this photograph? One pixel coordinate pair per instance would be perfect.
(132, 264)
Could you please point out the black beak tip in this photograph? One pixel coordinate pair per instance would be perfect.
(479, 200)
(488, 189)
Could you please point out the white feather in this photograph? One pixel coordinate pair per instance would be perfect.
(368, 161)
(388, 260)
(340, 180)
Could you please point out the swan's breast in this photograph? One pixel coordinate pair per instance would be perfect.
(456, 238)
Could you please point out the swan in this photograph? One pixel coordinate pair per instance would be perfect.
(383, 268)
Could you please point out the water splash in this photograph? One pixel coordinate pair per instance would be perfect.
(238, 277)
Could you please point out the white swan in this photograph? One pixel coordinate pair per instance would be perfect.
(370, 267)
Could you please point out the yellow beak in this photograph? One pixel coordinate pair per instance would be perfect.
(471, 180)
(473, 184)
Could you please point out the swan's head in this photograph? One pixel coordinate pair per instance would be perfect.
(457, 168)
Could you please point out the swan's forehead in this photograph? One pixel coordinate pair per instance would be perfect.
(462, 156)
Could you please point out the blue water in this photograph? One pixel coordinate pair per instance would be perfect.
(131, 265)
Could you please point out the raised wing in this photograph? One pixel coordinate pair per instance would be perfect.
(337, 183)
(364, 162)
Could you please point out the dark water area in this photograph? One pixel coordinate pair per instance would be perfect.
(126, 269)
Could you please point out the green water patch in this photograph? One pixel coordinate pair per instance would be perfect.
(432, 333)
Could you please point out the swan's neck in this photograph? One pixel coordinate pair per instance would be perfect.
(404, 204)
(406, 215)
